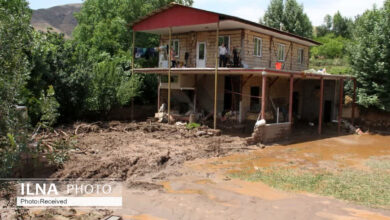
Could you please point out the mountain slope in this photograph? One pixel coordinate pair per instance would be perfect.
(60, 18)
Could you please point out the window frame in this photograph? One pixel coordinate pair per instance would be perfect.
(301, 56)
(177, 55)
(259, 49)
(284, 52)
(227, 46)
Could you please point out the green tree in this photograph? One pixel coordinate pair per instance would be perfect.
(337, 24)
(15, 40)
(370, 57)
(341, 25)
(289, 16)
(55, 62)
(332, 47)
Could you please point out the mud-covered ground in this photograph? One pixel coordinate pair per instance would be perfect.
(134, 151)
(171, 172)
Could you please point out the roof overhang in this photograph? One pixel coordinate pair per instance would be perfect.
(183, 19)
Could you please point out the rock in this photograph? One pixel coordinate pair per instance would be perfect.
(200, 133)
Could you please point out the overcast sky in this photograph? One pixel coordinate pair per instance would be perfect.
(254, 9)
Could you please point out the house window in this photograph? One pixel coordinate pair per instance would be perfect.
(258, 44)
(176, 47)
(301, 55)
(281, 52)
(224, 40)
(255, 99)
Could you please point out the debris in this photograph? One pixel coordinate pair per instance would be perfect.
(113, 218)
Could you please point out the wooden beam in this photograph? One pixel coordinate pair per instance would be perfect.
(321, 106)
(270, 51)
(132, 73)
(341, 93)
(290, 107)
(296, 81)
(292, 55)
(216, 77)
(159, 94)
(273, 82)
(263, 96)
(169, 74)
(246, 80)
(353, 102)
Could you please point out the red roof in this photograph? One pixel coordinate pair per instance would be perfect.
(177, 15)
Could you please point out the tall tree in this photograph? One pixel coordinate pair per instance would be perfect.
(370, 57)
(337, 24)
(14, 71)
(341, 25)
(289, 16)
(274, 16)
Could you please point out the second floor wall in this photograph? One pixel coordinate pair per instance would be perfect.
(255, 50)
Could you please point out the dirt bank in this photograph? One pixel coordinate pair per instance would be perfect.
(132, 150)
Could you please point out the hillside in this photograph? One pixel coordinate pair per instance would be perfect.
(59, 18)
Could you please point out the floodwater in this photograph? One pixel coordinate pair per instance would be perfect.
(203, 189)
(332, 153)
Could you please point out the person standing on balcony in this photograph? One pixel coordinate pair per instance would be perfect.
(173, 57)
(222, 55)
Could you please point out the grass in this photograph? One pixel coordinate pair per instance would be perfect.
(192, 126)
(369, 188)
(379, 163)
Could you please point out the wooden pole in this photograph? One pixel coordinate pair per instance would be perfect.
(353, 101)
(340, 104)
(321, 106)
(216, 77)
(290, 113)
(132, 73)
(159, 94)
(263, 95)
(169, 74)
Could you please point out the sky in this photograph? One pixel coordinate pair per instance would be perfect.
(254, 9)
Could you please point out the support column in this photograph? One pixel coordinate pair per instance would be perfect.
(159, 94)
(353, 102)
(321, 106)
(340, 104)
(195, 92)
(169, 74)
(290, 109)
(216, 78)
(132, 73)
(263, 95)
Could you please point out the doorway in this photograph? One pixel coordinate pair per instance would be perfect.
(232, 93)
(201, 55)
(328, 111)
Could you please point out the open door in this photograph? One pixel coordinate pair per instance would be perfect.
(201, 55)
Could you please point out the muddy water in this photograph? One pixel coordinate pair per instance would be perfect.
(332, 153)
(203, 190)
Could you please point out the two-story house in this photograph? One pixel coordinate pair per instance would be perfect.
(263, 78)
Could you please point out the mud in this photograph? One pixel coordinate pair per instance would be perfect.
(174, 173)
(351, 151)
(129, 151)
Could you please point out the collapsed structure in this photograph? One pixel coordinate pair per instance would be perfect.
(264, 77)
